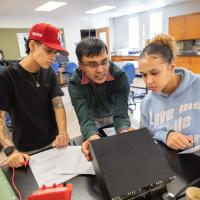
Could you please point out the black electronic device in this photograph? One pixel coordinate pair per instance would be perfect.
(130, 165)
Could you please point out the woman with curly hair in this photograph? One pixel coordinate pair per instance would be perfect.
(171, 110)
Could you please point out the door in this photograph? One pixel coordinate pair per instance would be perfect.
(103, 34)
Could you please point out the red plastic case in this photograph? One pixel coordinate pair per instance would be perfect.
(55, 192)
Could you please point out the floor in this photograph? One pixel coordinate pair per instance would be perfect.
(72, 121)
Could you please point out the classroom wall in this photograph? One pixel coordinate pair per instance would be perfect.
(71, 27)
(120, 24)
(9, 44)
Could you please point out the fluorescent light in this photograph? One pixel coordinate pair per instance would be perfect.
(51, 5)
(100, 9)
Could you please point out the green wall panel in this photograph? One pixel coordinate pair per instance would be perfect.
(9, 44)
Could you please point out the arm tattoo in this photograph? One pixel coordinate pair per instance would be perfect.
(57, 103)
(4, 136)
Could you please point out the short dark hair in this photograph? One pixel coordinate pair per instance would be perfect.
(90, 47)
(27, 45)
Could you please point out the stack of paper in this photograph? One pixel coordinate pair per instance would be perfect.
(59, 165)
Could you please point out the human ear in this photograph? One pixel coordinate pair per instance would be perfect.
(172, 66)
(32, 45)
(80, 66)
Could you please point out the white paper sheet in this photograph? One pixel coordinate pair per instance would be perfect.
(191, 150)
(43, 165)
(74, 162)
(109, 131)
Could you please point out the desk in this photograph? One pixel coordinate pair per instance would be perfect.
(185, 167)
(121, 58)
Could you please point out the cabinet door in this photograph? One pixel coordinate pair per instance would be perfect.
(184, 65)
(183, 62)
(192, 24)
(177, 27)
(195, 67)
(195, 64)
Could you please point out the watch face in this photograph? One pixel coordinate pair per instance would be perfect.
(9, 150)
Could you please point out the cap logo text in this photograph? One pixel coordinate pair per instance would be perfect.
(37, 34)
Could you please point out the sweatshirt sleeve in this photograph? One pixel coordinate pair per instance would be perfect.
(161, 134)
(84, 115)
(120, 116)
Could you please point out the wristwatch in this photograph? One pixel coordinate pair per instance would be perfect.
(9, 150)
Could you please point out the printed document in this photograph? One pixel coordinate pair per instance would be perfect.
(59, 165)
(74, 162)
(43, 165)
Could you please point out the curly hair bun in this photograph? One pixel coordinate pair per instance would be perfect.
(163, 39)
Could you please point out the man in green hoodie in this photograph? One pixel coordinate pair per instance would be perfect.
(99, 92)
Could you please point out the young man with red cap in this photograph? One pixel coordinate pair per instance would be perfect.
(30, 92)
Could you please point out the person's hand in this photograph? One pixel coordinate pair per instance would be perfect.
(176, 140)
(127, 130)
(85, 146)
(61, 140)
(131, 129)
(17, 159)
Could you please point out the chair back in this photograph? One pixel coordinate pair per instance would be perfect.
(55, 67)
(71, 66)
(129, 68)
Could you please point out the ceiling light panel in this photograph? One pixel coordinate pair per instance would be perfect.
(51, 5)
(100, 9)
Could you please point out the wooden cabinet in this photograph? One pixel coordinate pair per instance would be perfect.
(177, 27)
(185, 27)
(192, 26)
(183, 62)
(190, 62)
(195, 64)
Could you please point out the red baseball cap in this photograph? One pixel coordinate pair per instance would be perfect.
(48, 35)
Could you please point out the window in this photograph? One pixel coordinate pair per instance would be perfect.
(88, 33)
(143, 35)
(134, 32)
(155, 24)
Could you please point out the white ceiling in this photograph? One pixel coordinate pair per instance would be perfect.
(78, 7)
